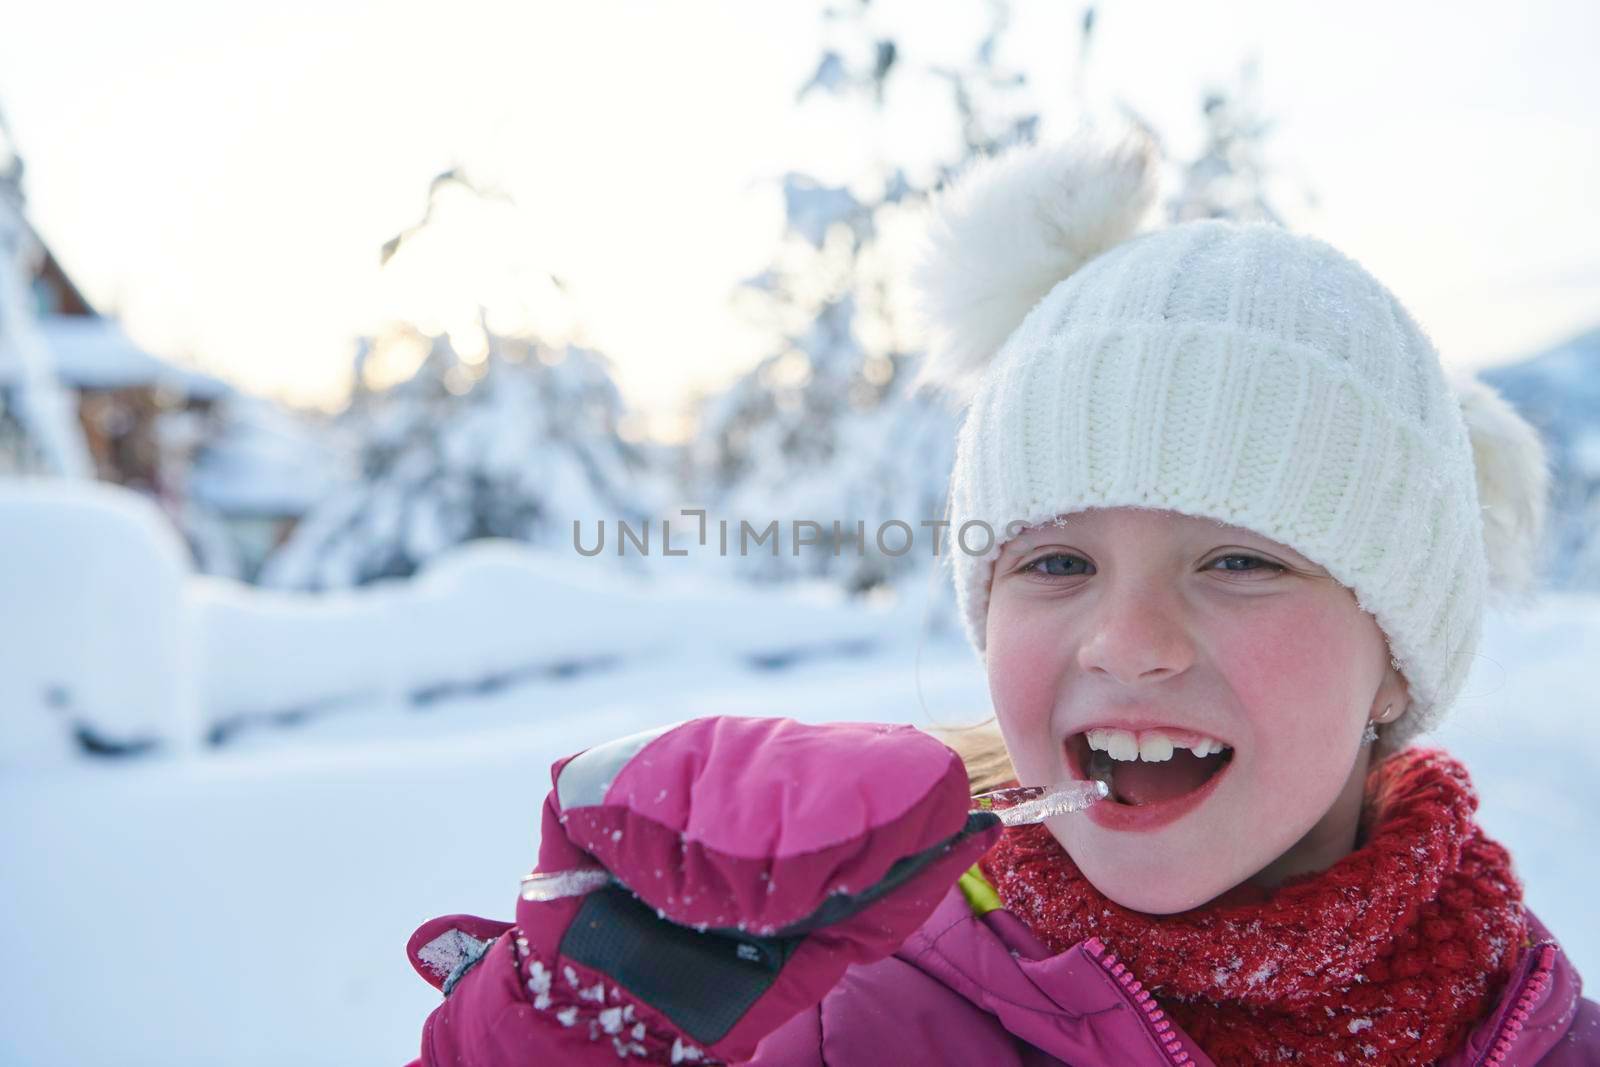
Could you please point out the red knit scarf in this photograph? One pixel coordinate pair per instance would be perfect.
(1387, 957)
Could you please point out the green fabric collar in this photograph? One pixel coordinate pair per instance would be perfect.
(980, 895)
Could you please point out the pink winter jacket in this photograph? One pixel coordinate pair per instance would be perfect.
(970, 986)
(975, 989)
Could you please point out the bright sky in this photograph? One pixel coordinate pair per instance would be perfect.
(223, 175)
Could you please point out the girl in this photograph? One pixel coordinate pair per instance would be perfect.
(1223, 532)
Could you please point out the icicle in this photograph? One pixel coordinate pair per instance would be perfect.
(1029, 804)
(558, 884)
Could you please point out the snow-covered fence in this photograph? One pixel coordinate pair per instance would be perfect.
(489, 613)
(94, 624)
(483, 616)
(112, 643)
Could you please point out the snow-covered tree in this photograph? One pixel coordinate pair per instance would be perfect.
(39, 431)
(519, 443)
(491, 435)
(827, 427)
(1230, 176)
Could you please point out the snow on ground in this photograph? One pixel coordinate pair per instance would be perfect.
(220, 910)
(1527, 727)
(253, 903)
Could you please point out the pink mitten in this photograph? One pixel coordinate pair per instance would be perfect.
(699, 885)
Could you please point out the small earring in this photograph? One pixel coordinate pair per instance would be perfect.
(1370, 734)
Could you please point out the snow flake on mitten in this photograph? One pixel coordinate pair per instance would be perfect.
(451, 955)
(579, 999)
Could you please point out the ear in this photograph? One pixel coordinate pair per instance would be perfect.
(1393, 698)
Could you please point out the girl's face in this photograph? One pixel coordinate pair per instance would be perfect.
(1163, 633)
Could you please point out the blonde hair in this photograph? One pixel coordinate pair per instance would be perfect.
(983, 753)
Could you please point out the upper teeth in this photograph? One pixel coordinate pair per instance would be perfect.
(1152, 746)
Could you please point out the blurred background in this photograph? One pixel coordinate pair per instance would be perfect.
(334, 338)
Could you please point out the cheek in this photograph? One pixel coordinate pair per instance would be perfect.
(1024, 659)
(1300, 672)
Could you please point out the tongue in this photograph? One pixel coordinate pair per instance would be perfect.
(1138, 782)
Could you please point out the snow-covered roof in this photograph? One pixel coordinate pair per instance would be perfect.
(92, 352)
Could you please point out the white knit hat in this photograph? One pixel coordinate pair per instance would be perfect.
(1235, 372)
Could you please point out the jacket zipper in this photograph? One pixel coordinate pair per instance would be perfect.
(1155, 1019)
(1532, 987)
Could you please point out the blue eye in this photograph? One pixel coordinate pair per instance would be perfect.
(1044, 565)
(1278, 567)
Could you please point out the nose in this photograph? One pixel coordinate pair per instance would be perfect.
(1136, 636)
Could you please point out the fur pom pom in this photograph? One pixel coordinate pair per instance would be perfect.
(1513, 478)
(1001, 235)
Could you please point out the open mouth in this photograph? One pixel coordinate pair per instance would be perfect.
(1147, 772)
